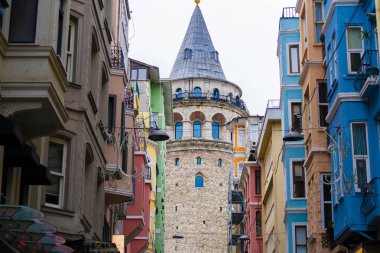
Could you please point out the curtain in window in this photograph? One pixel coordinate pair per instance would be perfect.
(197, 129)
(359, 139)
(215, 130)
(178, 130)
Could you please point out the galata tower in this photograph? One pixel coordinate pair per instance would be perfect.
(199, 154)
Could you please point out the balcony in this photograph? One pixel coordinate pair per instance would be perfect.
(117, 58)
(236, 197)
(223, 98)
(369, 205)
(118, 191)
(368, 71)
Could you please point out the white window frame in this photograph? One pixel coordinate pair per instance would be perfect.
(288, 46)
(290, 119)
(329, 56)
(240, 139)
(363, 157)
(291, 177)
(62, 175)
(361, 51)
(321, 103)
(335, 55)
(294, 225)
(70, 52)
(324, 226)
(254, 132)
(317, 40)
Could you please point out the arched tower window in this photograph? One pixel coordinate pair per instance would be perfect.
(215, 94)
(199, 181)
(219, 163)
(178, 93)
(215, 130)
(237, 101)
(197, 92)
(199, 161)
(197, 129)
(177, 162)
(178, 130)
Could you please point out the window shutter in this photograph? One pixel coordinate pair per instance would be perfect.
(23, 21)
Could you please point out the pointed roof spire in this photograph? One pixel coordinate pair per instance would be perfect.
(197, 56)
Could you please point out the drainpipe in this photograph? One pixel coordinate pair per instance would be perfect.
(377, 2)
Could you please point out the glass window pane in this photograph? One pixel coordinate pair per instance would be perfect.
(318, 11)
(359, 138)
(179, 93)
(199, 181)
(142, 74)
(197, 92)
(354, 38)
(55, 161)
(52, 191)
(178, 130)
(215, 130)
(294, 59)
(133, 74)
(361, 171)
(241, 137)
(355, 61)
(301, 249)
(327, 214)
(298, 170)
(300, 235)
(197, 130)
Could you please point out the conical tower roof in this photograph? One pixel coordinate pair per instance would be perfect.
(197, 56)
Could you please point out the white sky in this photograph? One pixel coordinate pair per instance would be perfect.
(243, 31)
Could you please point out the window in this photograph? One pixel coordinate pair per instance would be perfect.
(177, 162)
(240, 169)
(197, 129)
(139, 74)
(326, 202)
(3, 6)
(178, 93)
(197, 92)
(296, 120)
(254, 132)
(241, 137)
(198, 181)
(215, 94)
(215, 130)
(258, 223)
(360, 149)
(178, 130)
(219, 163)
(70, 53)
(57, 166)
(298, 180)
(215, 55)
(330, 66)
(294, 59)
(354, 48)
(154, 120)
(322, 103)
(318, 20)
(335, 57)
(111, 113)
(60, 28)
(199, 161)
(188, 53)
(257, 182)
(300, 239)
(23, 21)
(134, 74)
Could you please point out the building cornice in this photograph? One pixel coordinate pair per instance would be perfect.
(343, 97)
(335, 4)
(305, 70)
(312, 152)
(199, 144)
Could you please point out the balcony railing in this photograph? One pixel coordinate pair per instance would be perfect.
(212, 96)
(129, 99)
(368, 69)
(370, 198)
(289, 12)
(273, 103)
(117, 58)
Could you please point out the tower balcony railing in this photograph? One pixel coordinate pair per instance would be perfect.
(117, 58)
(289, 12)
(368, 71)
(224, 98)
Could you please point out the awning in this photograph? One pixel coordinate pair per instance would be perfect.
(100, 247)
(22, 229)
(10, 135)
(33, 173)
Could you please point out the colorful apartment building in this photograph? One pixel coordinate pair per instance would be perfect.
(352, 63)
(269, 152)
(293, 156)
(313, 116)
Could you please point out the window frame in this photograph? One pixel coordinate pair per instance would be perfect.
(112, 99)
(178, 93)
(240, 138)
(360, 157)
(62, 175)
(293, 162)
(215, 130)
(323, 201)
(215, 93)
(178, 134)
(322, 104)
(220, 163)
(290, 59)
(197, 92)
(257, 182)
(317, 22)
(291, 113)
(199, 161)
(349, 51)
(295, 225)
(71, 50)
(176, 162)
(197, 182)
(259, 223)
(197, 123)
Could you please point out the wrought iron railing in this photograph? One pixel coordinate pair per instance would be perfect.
(212, 96)
(129, 97)
(117, 58)
(289, 12)
(148, 174)
(369, 201)
(368, 68)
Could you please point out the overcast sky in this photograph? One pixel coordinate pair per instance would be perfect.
(244, 32)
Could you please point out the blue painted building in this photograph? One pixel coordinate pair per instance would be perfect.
(352, 66)
(293, 154)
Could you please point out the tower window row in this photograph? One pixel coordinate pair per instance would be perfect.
(197, 130)
(198, 161)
